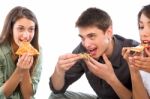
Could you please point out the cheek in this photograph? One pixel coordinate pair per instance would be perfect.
(15, 35)
(31, 36)
(106, 41)
(103, 41)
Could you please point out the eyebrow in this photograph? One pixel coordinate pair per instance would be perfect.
(80, 35)
(87, 34)
(24, 26)
(142, 22)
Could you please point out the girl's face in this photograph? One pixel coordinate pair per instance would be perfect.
(144, 28)
(23, 30)
(96, 41)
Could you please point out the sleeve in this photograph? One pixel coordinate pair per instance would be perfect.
(72, 75)
(2, 96)
(37, 73)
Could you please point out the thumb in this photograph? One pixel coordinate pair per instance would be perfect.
(147, 51)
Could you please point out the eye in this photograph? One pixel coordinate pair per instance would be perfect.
(31, 29)
(92, 36)
(141, 27)
(81, 37)
(20, 29)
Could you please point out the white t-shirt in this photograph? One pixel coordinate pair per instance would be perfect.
(146, 80)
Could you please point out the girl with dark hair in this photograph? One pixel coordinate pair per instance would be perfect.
(140, 64)
(19, 75)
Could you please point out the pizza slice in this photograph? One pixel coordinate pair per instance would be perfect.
(26, 47)
(138, 48)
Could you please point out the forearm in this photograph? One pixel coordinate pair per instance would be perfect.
(58, 80)
(139, 91)
(10, 85)
(26, 86)
(119, 88)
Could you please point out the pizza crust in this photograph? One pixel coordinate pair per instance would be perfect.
(85, 55)
(138, 48)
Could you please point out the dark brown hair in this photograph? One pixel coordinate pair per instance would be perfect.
(94, 17)
(146, 11)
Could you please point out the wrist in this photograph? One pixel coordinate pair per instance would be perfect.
(59, 71)
(112, 79)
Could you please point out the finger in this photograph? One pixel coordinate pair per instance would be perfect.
(67, 66)
(147, 51)
(125, 53)
(106, 60)
(31, 61)
(20, 59)
(66, 56)
(26, 60)
(124, 50)
(142, 61)
(92, 67)
(143, 68)
(69, 60)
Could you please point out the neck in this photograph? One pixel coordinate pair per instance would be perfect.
(110, 48)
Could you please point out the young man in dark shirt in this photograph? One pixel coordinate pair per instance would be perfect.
(106, 70)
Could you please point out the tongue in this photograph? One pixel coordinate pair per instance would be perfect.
(93, 52)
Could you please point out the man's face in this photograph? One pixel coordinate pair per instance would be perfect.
(95, 40)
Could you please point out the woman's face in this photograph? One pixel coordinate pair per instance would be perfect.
(144, 28)
(23, 30)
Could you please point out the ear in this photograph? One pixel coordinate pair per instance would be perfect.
(109, 32)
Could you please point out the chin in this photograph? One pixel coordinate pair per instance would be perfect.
(95, 57)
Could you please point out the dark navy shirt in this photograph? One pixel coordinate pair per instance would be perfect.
(100, 86)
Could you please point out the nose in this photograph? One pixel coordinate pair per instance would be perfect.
(145, 33)
(86, 43)
(25, 35)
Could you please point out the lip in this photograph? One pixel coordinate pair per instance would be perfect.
(146, 42)
(93, 52)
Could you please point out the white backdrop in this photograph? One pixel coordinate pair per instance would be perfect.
(58, 34)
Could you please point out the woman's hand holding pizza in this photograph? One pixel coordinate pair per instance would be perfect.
(25, 61)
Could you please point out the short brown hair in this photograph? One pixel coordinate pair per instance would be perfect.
(94, 17)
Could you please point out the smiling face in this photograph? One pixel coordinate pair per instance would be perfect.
(96, 41)
(144, 28)
(23, 30)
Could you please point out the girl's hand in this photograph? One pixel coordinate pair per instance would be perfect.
(25, 62)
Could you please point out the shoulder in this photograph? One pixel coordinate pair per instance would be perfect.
(4, 49)
(125, 41)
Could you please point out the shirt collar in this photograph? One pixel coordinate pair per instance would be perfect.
(116, 54)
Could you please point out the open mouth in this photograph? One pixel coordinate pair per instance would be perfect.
(146, 43)
(92, 52)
